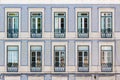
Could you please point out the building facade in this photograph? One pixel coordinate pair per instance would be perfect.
(56, 41)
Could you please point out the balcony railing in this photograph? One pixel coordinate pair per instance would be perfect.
(36, 69)
(106, 33)
(59, 33)
(12, 33)
(106, 67)
(83, 69)
(59, 69)
(83, 33)
(12, 69)
(36, 33)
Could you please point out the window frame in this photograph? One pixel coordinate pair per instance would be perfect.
(88, 23)
(43, 20)
(53, 21)
(41, 23)
(60, 26)
(82, 56)
(59, 53)
(7, 57)
(105, 24)
(111, 56)
(14, 26)
(35, 57)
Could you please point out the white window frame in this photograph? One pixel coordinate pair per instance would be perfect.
(13, 10)
(113, 51)
(60, 44)
(79, 43)
(35, 44)
(113, 22)
(6, 52)
(29, 24)
(76, 18)
(60, 10)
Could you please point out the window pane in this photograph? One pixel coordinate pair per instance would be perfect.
(12, 56)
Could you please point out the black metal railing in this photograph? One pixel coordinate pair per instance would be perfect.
(59, 69)
(106, 67)
(59, 33)
(83, 33)
(12, 67)
(12, 33)
(35, 69)
(106, 33)
(83, 69)
(36, 33)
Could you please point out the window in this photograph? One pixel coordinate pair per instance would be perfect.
(83, 62)
(36, 58)
(106, 58)
(12, 61)
(12, 24)
(59, 24)
(59, 59)
(83, 24)
(106, 24)
(36, 24)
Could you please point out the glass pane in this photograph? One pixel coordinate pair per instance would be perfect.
(38, 54)
(39, 24)
(56, 59)
(62, 23)
(103, 23)
(56, 64)
(33, 54)
(85, 53)
(80, 64)
(56, 24)
(79, 22)
(106, 47)
(60, 48)
(33, 59)
(80, 54)
(36, 48)
(33, 22)
(33, 64)
(62, 61)
(16, 23)
(80, 59)
(83, 48)
(10, 21)
(56, 53)
(12, 48)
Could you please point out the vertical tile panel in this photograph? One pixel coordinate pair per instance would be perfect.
(24, 53)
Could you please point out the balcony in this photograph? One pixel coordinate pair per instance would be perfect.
(36, 33)
(106, 67)
(12, 69)
(36, 69)
(83, 33)
(106, 33)
(59, 33)
(12, 33)
(59, 69)
(83, 69)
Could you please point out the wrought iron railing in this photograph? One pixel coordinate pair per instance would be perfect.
(83, 69)
(106, 33)
(83, 33)
(59, 69)
(12, 33)
(106, 67)
(59, 33)
(12, 69)
(36, 33)
(36, 69)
